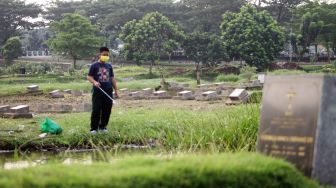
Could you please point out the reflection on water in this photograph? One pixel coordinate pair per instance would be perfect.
(14, 160)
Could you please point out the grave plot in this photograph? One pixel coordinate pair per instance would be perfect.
(44, 108)
(34, 90)
(238, 96)
(136, 95)
(4, 109)
(160, 95)
(62, 108)
(56, 94)
(67, 91)
(21, 111)
(84, 107)
(147, 92)
(76, 93)
(185, 95)
(208, 96)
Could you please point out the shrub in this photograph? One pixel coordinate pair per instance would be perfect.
(248, 72)
(187, 171)
(227, 78)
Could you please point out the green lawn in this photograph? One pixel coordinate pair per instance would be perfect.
(188, 171)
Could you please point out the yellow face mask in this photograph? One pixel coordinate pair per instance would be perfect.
(104, 58)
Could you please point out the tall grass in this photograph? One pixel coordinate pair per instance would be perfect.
(229, 129)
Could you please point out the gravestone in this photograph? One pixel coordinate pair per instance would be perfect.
(34, 89)
(298, 123)
(135, 95)
(67, 91)
(43, 108)
(147, 92)
(62, 108)
(21, 111)
(4, 109)
(185, 95)
(238, 96)
(261, 77)
(76, 93)
(208, 96)
(160, 95)
(56, 94)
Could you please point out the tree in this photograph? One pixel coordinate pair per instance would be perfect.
(12, 49)
(311, 28)
(206, 15)
(252, 36)
(281, 9)
(15, 16)
(196, 49)
(74, 37)
(148, 38)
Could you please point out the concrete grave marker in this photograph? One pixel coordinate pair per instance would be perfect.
(34, 89)
(208, 96)
(160, 95)
(76, 93)
(298, 123)
(261, 77)
(135, 95)
(21, 111)
(238, 96)
(67, 91)
(56, 94)
(4, 109)
(185, 95)
(147, 92)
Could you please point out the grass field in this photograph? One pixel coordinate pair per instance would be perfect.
(228, 129)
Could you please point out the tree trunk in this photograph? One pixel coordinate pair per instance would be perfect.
(198, 73)
(150, 68)
(316, 54)
(169, 55)
(74, 62)
(328, 51)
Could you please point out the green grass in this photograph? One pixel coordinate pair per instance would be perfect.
(228, 78)
(228, 129)
(194, 171)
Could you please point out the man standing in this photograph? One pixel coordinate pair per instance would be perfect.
(102, 77)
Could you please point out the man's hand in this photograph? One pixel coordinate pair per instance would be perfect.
(97, 84)
(116, 93)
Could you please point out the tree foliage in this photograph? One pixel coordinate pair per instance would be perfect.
(253, 36)
(12, 49)
(14, 16)
(148, 38)
(74, 37)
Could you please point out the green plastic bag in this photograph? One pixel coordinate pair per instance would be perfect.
(49, 126)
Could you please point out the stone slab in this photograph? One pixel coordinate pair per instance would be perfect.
(20, 109)
(18, 115)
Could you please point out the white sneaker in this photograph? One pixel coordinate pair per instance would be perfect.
(93, 132)
(104, 130)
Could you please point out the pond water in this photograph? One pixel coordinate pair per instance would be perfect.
(15, 160)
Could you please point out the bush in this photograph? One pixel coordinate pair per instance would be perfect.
(187, 171)
(248, 72)
(227, 78)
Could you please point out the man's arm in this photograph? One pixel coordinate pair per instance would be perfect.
(94, 82)
(114, 84)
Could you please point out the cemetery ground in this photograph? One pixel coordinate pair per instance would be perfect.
(186, 143)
